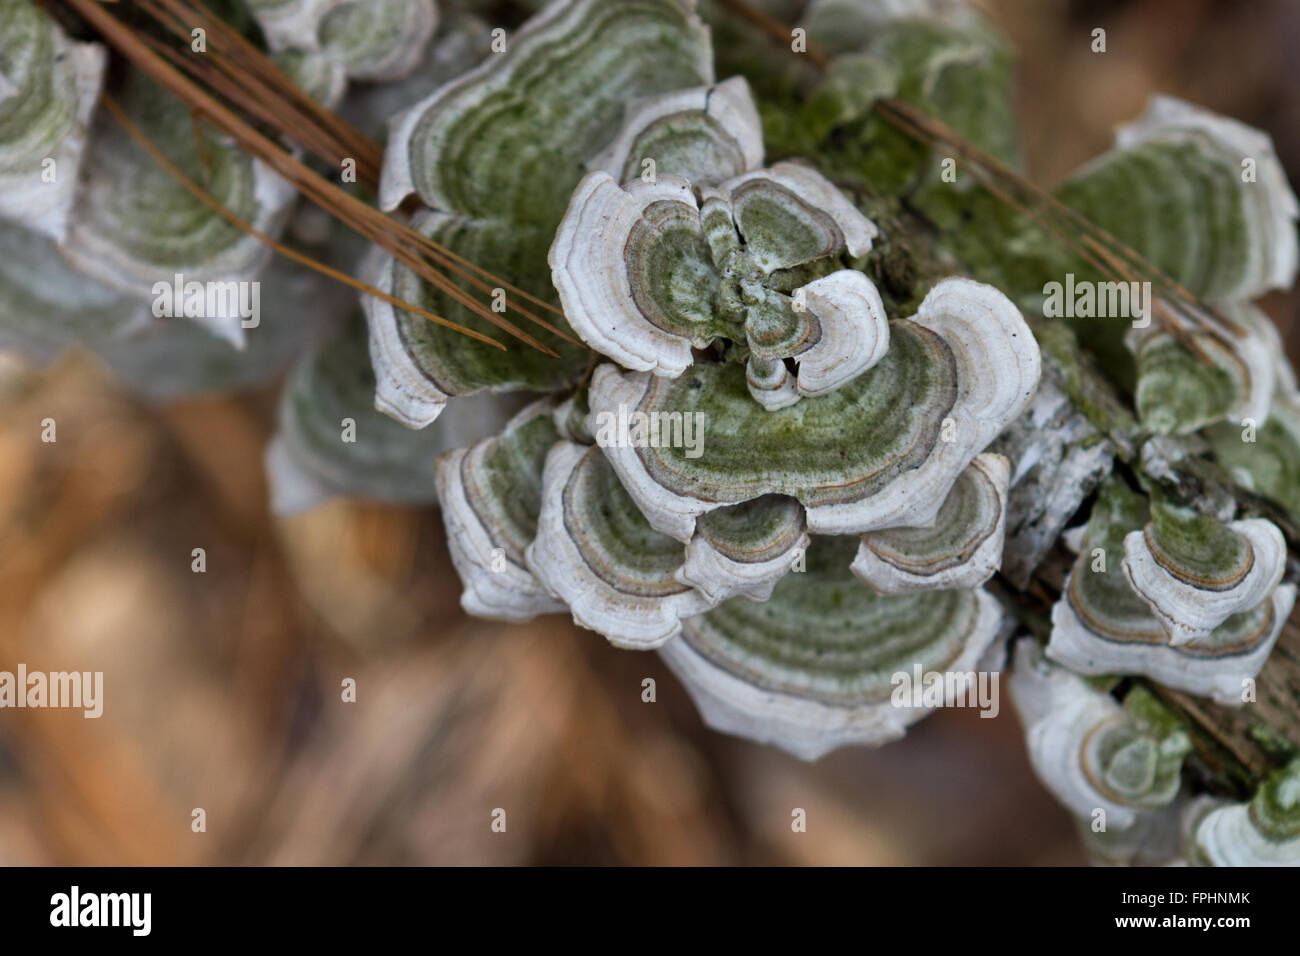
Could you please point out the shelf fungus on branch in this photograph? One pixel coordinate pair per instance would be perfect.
(1101, 625)
(1226, 213)
(47, 305)
(705, 134)
(818, 666)
(564, 79)
(881, 451)
(597, 553)
(633, 272)
(491, 497)
(1179, 392)
(367, 39)
(139, 231)
(419, 366)
(1263, 832)
(1093, 754)
(962, 549)
(649, 270)
(745, 549)
(48, 88)
(331, 441)
(1195, 572)
(561, 88)
(1264, 455)
(316, 74)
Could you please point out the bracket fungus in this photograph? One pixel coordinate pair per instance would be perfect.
(817, 667)
(785, 416)
(1263, 453)
(331, 441)
(633, 274)
(47, 305)
(596, 552)
(620, 577)
(881, 451)
(1263, 832)
(1269, 213)
(366, 39)
(491, 497)
(1223, 236)
(48, 87)
(563, 82)
(745, 549)
(578, 63)
(1180, 391)
(962, 549)
(704, 134)
(1088, 750)
(1101, 625)
(1195, 572)
(649, 270)
(137, 228)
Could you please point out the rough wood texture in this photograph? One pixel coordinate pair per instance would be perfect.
(1236, 746)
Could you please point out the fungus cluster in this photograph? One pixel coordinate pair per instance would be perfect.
(726, 296)
(797, 396)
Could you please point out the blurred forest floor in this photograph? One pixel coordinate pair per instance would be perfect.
(223, 689)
